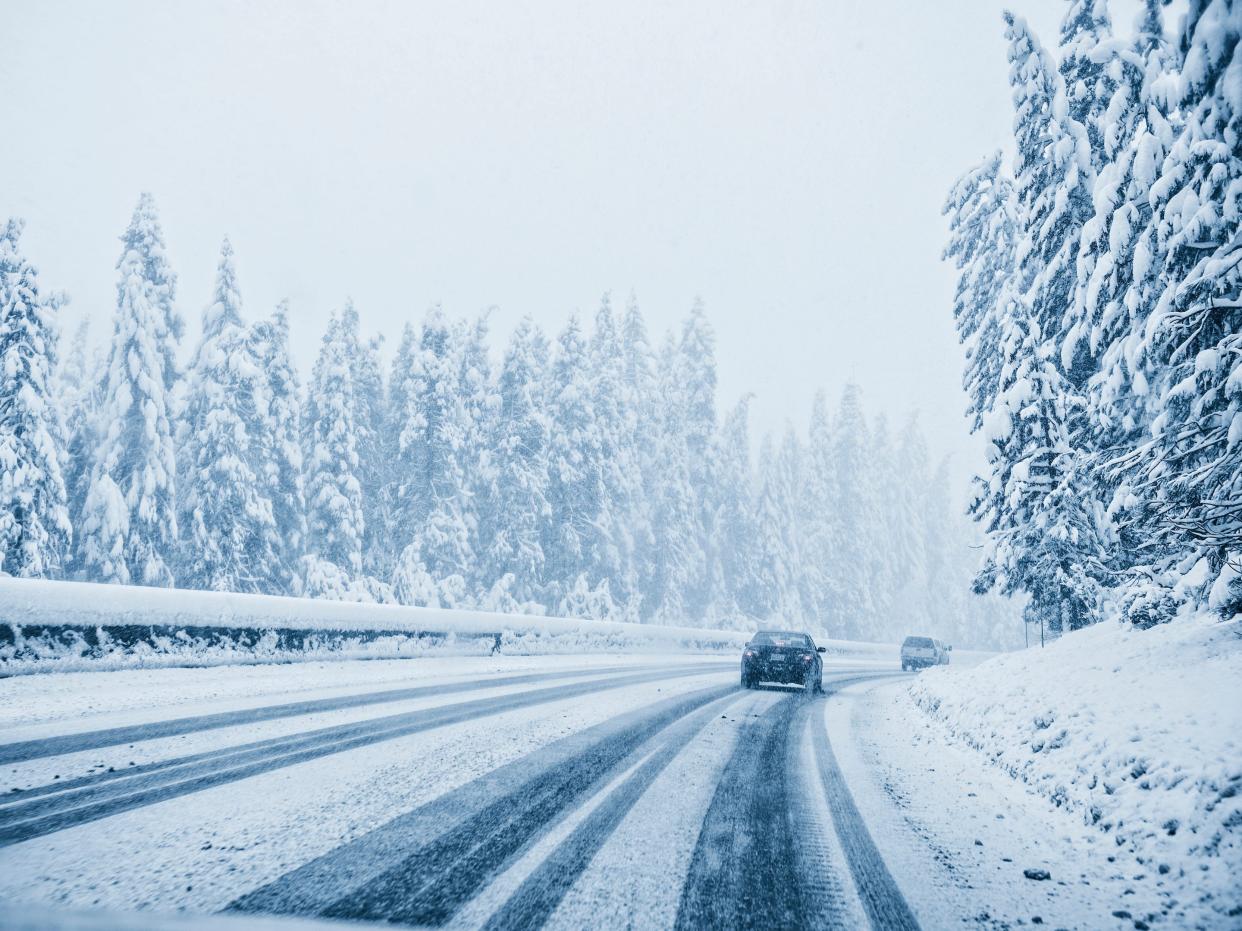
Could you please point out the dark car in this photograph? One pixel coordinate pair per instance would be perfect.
(921, 652)
(783, 656)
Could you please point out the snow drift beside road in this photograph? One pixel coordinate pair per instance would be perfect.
(47, 626)
(1140, 731)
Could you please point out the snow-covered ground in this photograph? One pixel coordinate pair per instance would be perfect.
(1136, 736)
(71, 702)
(954, 835)
(196, 852)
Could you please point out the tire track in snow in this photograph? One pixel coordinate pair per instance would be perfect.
(332, 877)
(760, 861)
(742, 873)
(431, 884)
(882, 900)
(22, 819)
(542, 891)
(26, 750)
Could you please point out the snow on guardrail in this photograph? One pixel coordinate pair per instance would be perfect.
(61, 626)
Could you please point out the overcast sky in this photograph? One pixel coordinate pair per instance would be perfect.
(785, 160)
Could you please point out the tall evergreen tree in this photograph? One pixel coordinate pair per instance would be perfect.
(642, 430)
(778, 539)
(678, 562)
(334, 519)
(34, 517)
(129, 524)
(476, 409)
(426, 392)
(369, 423)
(613, 544)
(1042, 528)
(983, 239)
(1118, 273)
(1188, 474)
(853, 515)
(1054, 178)
(697, 415)
(230, 539)
(1088, 79)
(735, 585)
(516, 511)
(431, 511)
(78, 390)
(277, 444)
(910, 496)
(575, 475)
(819, 524)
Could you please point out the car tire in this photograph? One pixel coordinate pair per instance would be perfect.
(746, 682)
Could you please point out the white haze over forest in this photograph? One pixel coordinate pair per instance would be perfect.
(595, 468)
(532, 157)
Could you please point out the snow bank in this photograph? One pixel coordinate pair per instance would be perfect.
(66, 626)
(1140, 731)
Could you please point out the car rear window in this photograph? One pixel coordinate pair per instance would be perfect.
(921, 643)
(778, 638)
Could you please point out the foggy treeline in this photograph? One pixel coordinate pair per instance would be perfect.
(584, 475)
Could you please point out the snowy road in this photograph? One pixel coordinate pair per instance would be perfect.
(563, 793)
(654, 793)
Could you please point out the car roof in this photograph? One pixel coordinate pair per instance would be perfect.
(783, 633)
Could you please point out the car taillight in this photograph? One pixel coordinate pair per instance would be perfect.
(749, 653)
(807, 657)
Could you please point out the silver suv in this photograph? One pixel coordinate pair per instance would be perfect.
(919, 652)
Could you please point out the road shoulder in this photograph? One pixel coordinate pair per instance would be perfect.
(959, 835)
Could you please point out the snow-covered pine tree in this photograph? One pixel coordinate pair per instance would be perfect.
(642, 418)
(1116, 276)
(736, 597)
(397, 532)
(613, 546)
(575, 474)
(945, 551)
(515, 512)
(1042, 527)
(982, 241)
(1089, 82)
(854, 514)
(425, 393)
(34, 517)
(1118, 268)
(1054, 179)
(478, 405)
(678, 561)
(819, 516)
(229, 535)
(780, 556)
(369, 416)
(78, 386)
(277, 443)
(910, 495)
(447, 539)
(430, 514)
(334, 523)
(697, 362)
(885, 559)
(1188, 475)
(129, 523)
